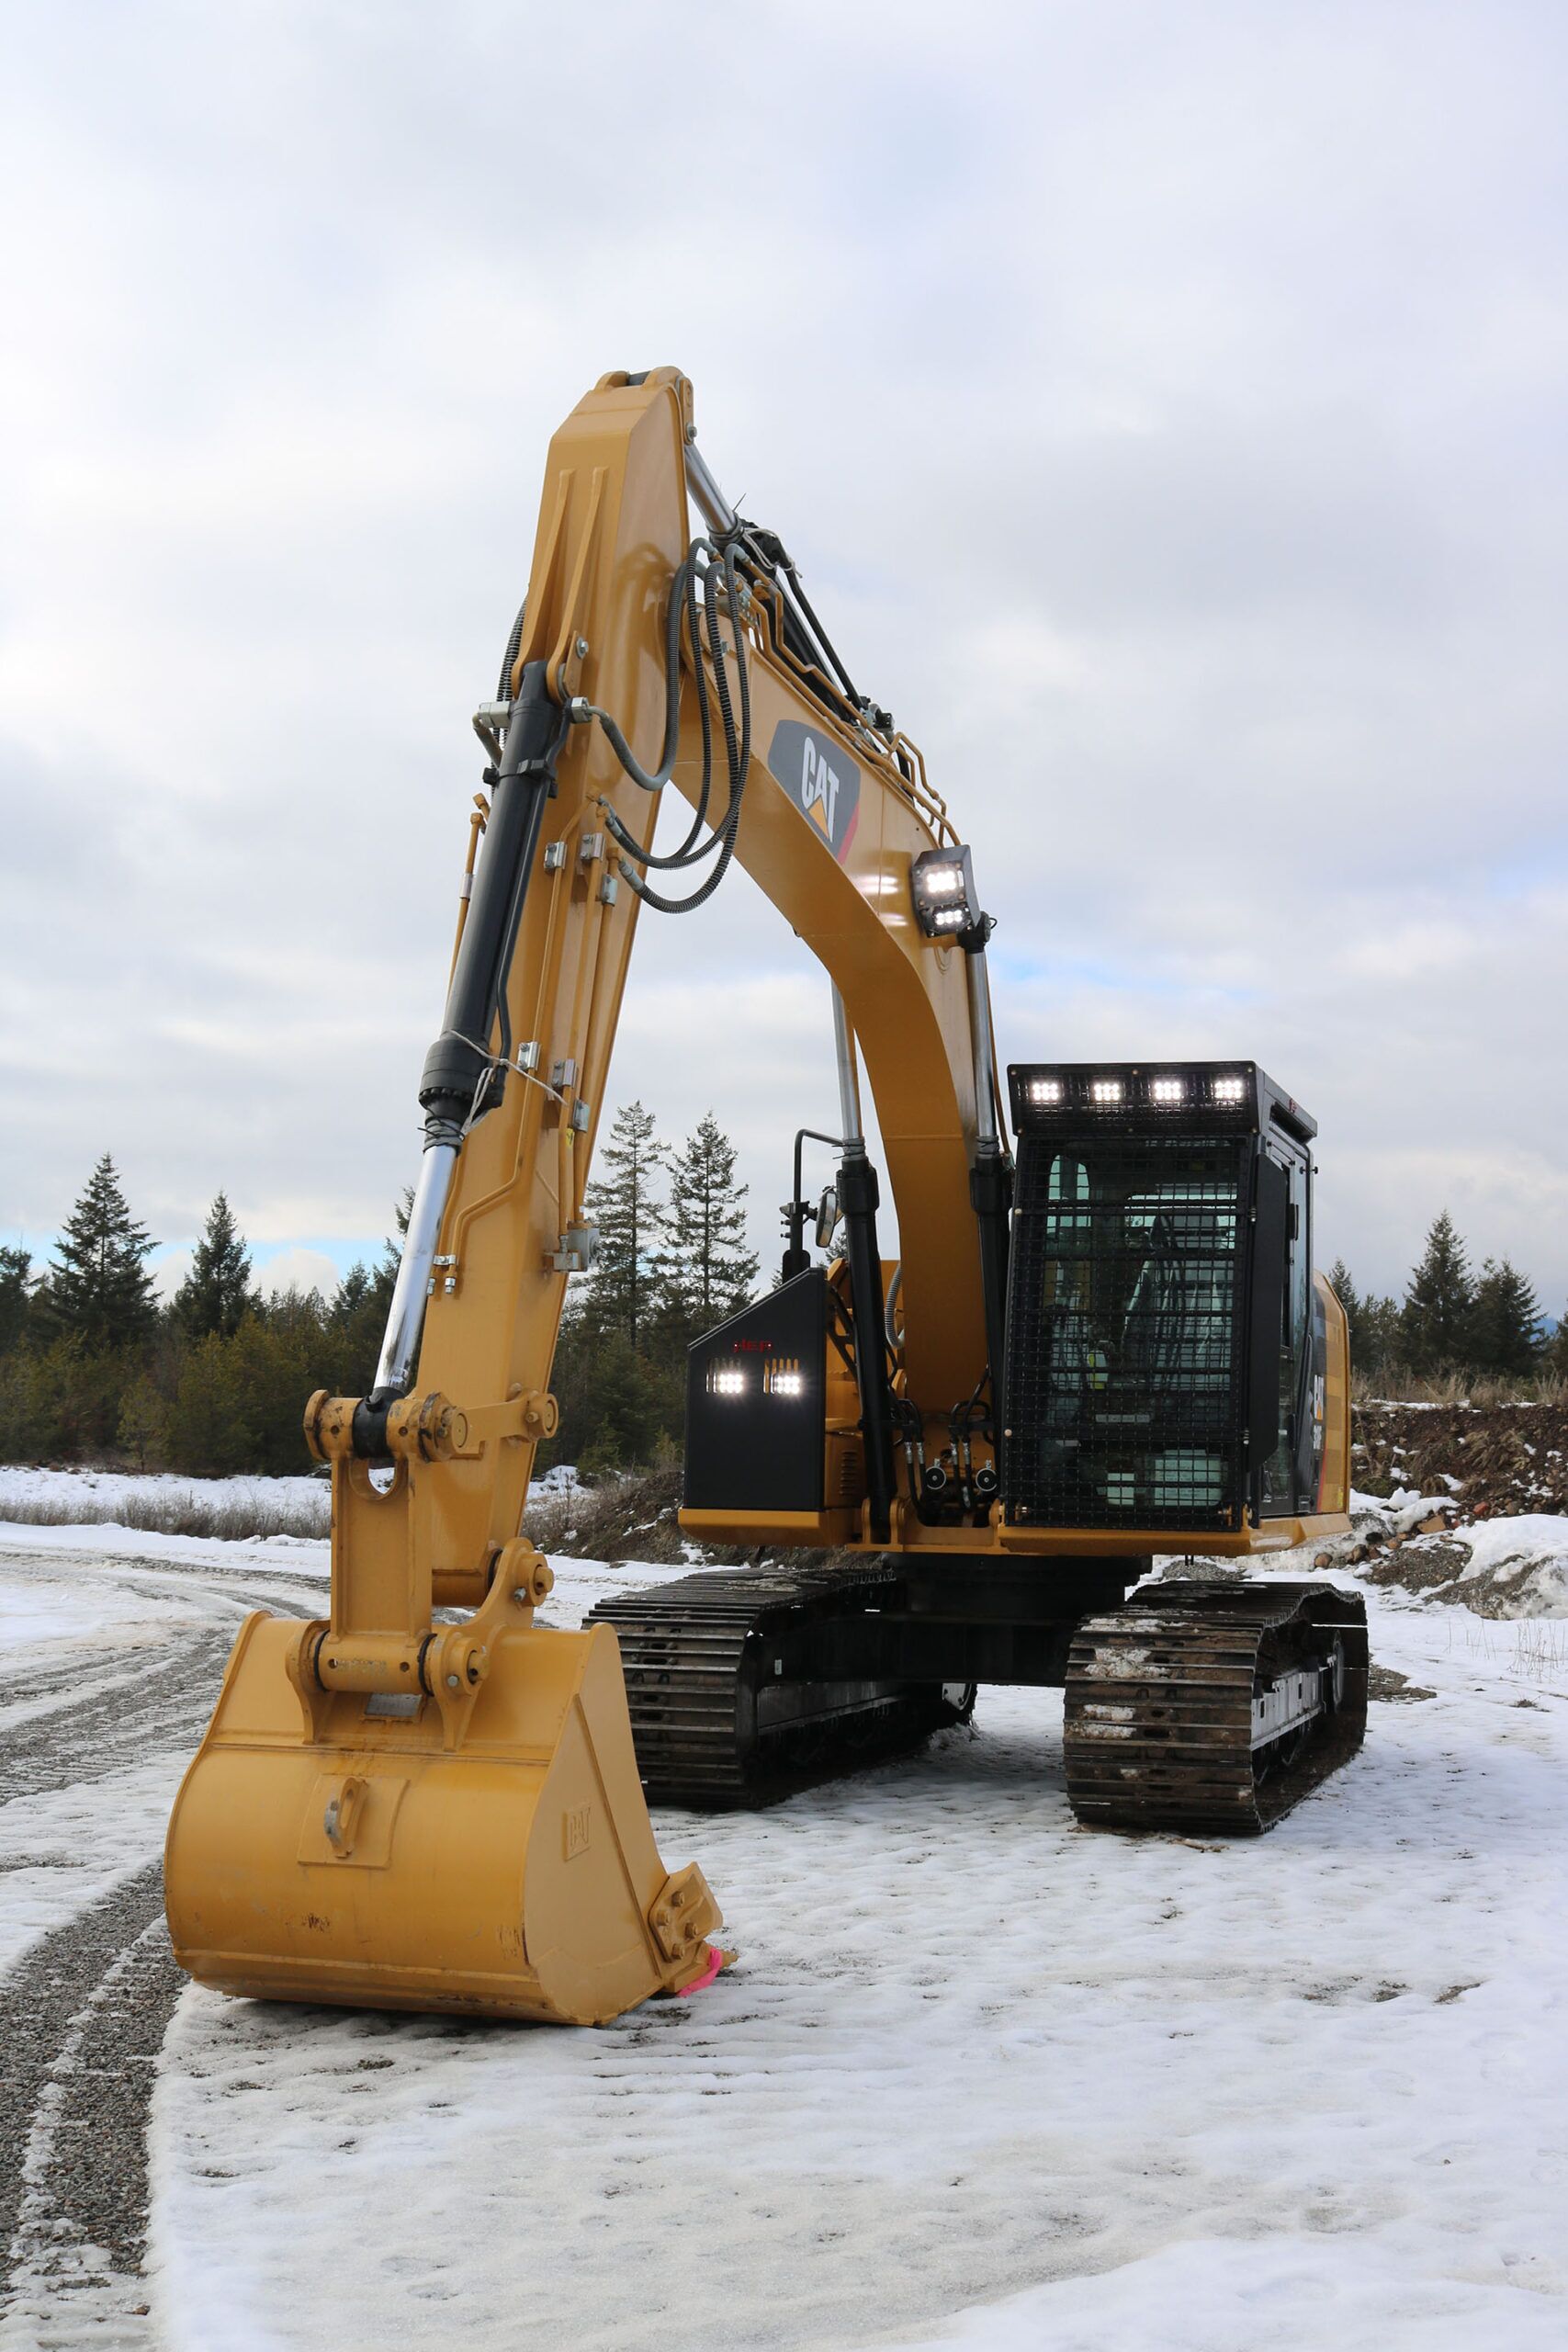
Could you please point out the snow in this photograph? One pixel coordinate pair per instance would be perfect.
(1527, 1555)
(1523, 1558)
(87, 1631)
(1236, 2293)
(115, 1544)
(112, 1489)
(980, 2078)
(62, 1851)
(55, 1612)
(1399, 1513)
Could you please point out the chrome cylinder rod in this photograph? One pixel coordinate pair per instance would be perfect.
(405, 1316)
(985, 1059)
(712, 504)
(849, 1127)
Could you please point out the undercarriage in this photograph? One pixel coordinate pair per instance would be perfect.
(1210, 1706)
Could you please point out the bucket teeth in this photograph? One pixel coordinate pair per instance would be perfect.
(684, 1914)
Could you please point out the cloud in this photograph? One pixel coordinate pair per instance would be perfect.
(303, 1270)
(1165, 407)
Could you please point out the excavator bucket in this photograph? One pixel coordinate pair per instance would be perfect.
(481, 1846)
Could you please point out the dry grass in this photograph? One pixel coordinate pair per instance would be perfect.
(1484, 1391)
(180, 1511)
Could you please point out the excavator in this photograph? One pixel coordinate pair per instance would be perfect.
(953, 1467)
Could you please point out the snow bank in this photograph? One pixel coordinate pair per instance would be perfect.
(1301, 2296)
(1508, 1567)
(239, 1510)
(1525, 1560)
(117, 1545)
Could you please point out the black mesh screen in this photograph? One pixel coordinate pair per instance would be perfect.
(1125, 1334)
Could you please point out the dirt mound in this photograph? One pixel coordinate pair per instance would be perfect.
(1494, 1461)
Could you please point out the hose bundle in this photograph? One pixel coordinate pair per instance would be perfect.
(719, 597)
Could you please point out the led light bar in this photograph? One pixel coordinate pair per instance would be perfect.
(727, 1380)
(942, 885)
(1164, 1097)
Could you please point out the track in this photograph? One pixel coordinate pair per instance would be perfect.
(725, 1711)
(84, 2007)
(1160, 1723)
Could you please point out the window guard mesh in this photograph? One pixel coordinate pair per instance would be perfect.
(1124, 1331)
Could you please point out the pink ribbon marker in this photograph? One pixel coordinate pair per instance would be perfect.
(700, 1983)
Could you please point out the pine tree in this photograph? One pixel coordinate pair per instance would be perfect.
(1344, 1290)
(624, 1418)
(707, 1263)
(393, 1247)
(212, 1426)
(1505, 1333)
(352, 1294)
(16, 1297)
(1440, 1303)
(357, 1321)
(99, 1289)
(1377, 1336)
(628, 1285)
(216, 1295)
(143, 1427)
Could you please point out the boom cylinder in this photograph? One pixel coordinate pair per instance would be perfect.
(460, 1076)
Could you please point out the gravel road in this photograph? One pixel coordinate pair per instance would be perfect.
(85, 2005)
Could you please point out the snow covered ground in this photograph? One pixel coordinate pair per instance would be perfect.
(235, 1509)
(104, 1490)
(979, 2079)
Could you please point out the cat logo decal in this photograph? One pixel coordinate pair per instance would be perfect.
(820, 778)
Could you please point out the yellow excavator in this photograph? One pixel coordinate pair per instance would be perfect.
(1105, 1346)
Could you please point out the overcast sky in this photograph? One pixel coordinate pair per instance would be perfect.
(1166, 406)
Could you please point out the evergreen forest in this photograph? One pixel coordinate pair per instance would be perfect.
(95, 1367)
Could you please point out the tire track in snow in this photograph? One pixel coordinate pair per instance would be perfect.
(83, 2011)
(161, 1702)
(160, 1697)
(82, 2021)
